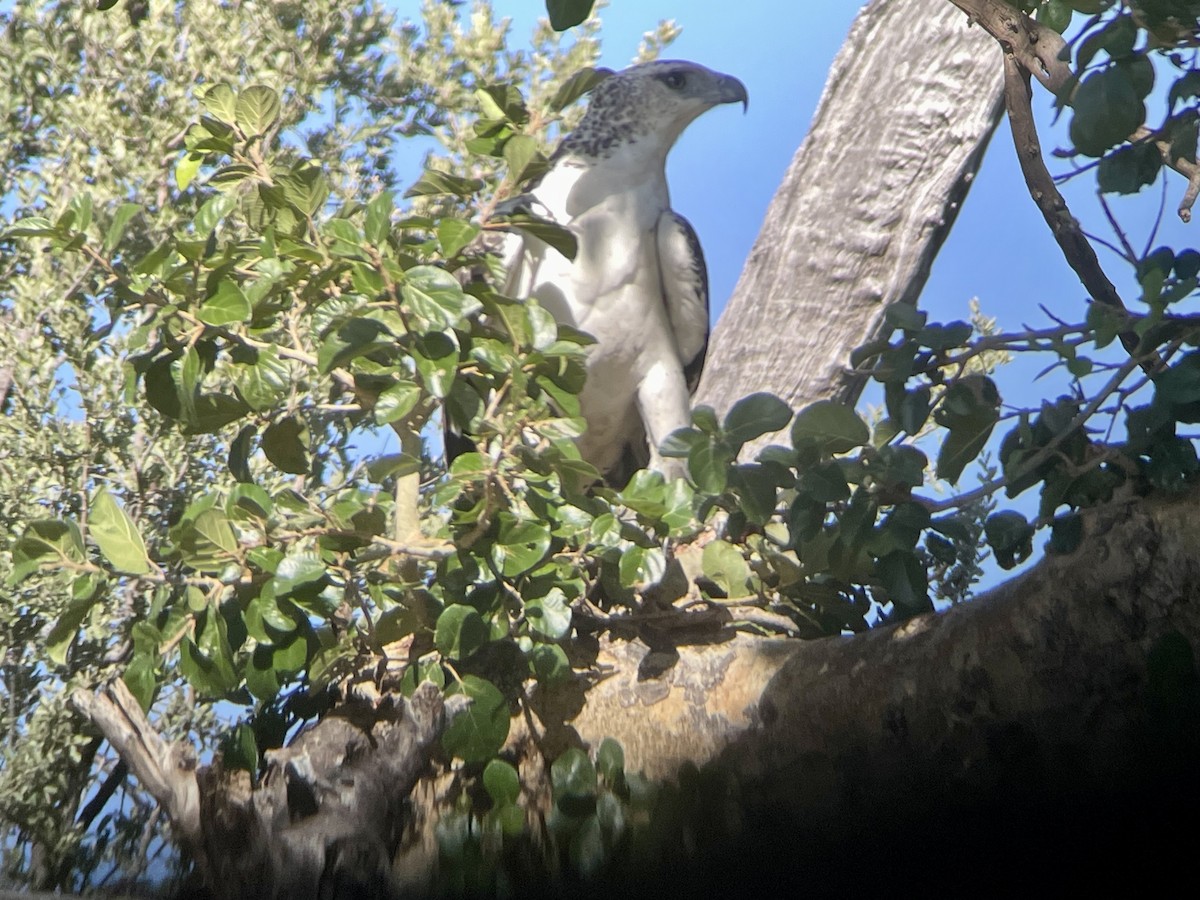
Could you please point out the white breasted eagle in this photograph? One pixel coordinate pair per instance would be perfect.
(638, 283)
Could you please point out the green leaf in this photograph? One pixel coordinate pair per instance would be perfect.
(549, 615)
(520, 545)
(434, 182)
(186, 169)
(436, 296)
(756, 415)
(30, 226)
(479, 731)
(914, 409)
(63, 634)
(221, 103)
(226, 306)
(256, 109)
(1107, 110)
(212, 213)
(1173, 463)
(944, 337)
(455, 234)
(460, 631)
(298, 569)
(44, 543)
(905, 580)
(140, 678)
(725, 566)
(610, 760)
(1066, 534)
(519, 151)
(116, 534)
(708, 464)
(833, 427)
(573, 780)
(263, 382)
(249, 502)
(305, 187)
(378, 223)
(757, 489)
(1129, 169)
(116, 229)
(969, 409)
(78, 216)
(1055, 15)
(1185, 87)
(550, 664)
(397, 402)
(285, 444)
(502, 782)
(207, 543)
(392, 465)
(543, 328)
(962, 445)
(210, 675)
(904, 316)
(566, 14)
(1180, 384)
(548, 232)
(825, 483)
(576, 86)
(212, 412)
(1010, 536)
(641, 566)
(350, 340)
(436, 357)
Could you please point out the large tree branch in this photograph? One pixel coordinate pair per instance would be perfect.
(1054, 692)
(167, 771)
(865, 205)
(324, 820)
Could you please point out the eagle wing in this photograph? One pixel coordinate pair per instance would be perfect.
(684, 280)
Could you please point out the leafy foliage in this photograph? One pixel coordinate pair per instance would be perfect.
(251, 336)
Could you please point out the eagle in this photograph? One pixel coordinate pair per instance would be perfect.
(638, 283)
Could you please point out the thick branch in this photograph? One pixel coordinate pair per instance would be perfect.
(167, 771)
(1037, 48)
(1071, 240)
(1049, 693)
(864, 207)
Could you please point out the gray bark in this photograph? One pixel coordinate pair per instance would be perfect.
(911, 101)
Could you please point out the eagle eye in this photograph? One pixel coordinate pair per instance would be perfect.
(674, 80)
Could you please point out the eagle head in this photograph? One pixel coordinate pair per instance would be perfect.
(653, 102)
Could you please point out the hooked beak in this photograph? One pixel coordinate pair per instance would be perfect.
(730, 90)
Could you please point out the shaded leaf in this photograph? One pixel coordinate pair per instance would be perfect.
(833, 427)
(479, 731)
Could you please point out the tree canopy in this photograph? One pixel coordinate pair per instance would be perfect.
(231, 329)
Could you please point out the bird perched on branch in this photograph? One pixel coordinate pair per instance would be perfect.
(638, 283)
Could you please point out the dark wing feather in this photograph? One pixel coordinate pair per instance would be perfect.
(683, 277)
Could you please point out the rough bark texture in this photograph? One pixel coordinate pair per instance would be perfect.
(325, 819)
(1047, 714)
(870, 196)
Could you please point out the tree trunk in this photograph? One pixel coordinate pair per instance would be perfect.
(911, 101)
